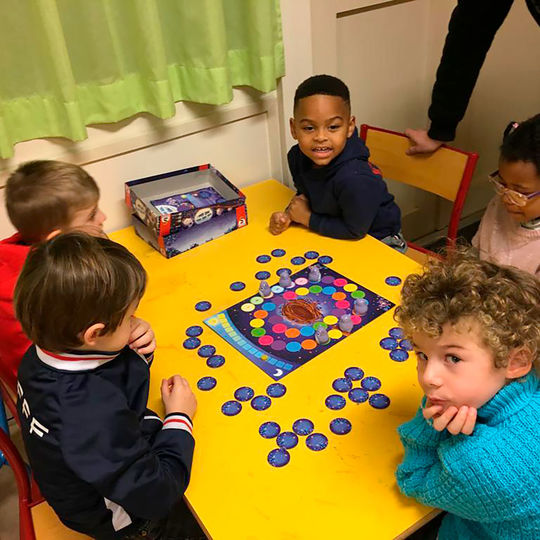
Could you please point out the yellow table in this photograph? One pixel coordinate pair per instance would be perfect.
(347, 490)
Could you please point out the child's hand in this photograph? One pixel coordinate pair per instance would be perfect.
(422, 143)
(299, 210)
(455, 420)
(142, 337)
(177, 396)
(279, 222)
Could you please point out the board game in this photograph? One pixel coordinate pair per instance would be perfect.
(277, 333)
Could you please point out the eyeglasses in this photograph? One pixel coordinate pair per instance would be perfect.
(515, 197)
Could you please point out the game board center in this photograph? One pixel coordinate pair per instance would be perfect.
(301, 311)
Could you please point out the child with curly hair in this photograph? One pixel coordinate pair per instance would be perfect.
(473, 447)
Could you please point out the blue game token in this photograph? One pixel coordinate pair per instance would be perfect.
(311, 254)
(194, 331)
(269, 430)
(264, 258)
(379, 401)
(354, 373)
(358, 395)
(276, 390)
(342, 384)
(278, 252)
(388, 343)
(371, 383)
(215, 361)
(399, 355)
(279, 457)
(260, 403)
(298, 260)
(325, 259)
(263, 274)
(394, 281)
(203, 305)
(340, 426)
(335, 402)
(303, 426)
(206, 350)
(231, 408)
(279, 270)
(406, 345)
(191, 343)
(237, 286)
(244, 393)
(317, 442)
(287, 440)
(396, 332)
(206, 383)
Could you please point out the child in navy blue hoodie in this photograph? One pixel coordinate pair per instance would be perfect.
(339, 193)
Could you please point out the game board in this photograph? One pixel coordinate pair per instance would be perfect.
(183, 202)
(277, 333)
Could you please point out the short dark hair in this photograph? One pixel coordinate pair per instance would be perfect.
(72, 282)
(523, 143)
(322, 84)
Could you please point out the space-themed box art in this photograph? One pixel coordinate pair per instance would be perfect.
(180, 210)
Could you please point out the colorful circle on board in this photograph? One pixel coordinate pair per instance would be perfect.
(194, 331)
(335, 333)
(277, 289)
(388, 343)
(258, 332)
(307, 331)
(301, 281)
(244, 393)
(399, 355)
(266, 340)
(318, 324)
(269, 306)
(262, 274)
(237, 286)
(191, 343)
(215, 361)
(269, 430)
(371, 383)
(325, 259)
(278, 345)
(379, 401)
(278, 252)
(292, 333)
(263, 259)
(303, 426)
(231, 408)
(293, 346)
(206, 350)
(316, 442)
(302, 291)
(329, 290)
(340, 282)
(309, 344)
(261, 403)
(350, 287)
(393, 281)
(340, 426)
(358, 395)
(256, 300)
(206, 383)
(358, 294)
(342, 384)
(203, 305)
(311, 254)
(396, 332)
(354, 373)
(298, 261)
(330, 320)
(406, 345)
(279, 457)
(276, 390)
(279, 270)
(315, 289)
(287, 439)
(335, 402)
(256, 323)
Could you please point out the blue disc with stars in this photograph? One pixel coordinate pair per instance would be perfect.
(276, 390)
(287, 439)
(358, 395)
(317, 442)
(325, 259)
(231, 408)
(399, 355)
(278, 252)
(311, 254)
(269, 430)
(191, 343)
(393, 281)
(298, 260)
(206, 350)
(262, 274)
(379, 401)
(303, 426)
(340, 426)
(279, 270)
(203, 305)
(371, 383)
(354, 373)
(335, 402)
(264, 258)
(215, 361)
(342, 384)
(206, 383)
(279, 457)
(406, 345)
(396, 333)
(244, 393)
(388, 343)
(237, 286)
(194, 331)
(260, 403)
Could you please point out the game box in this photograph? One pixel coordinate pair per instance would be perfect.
(180, 210)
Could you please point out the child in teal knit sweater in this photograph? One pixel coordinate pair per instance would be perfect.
(473, 448)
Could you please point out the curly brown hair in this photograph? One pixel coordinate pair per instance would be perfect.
(504, 301)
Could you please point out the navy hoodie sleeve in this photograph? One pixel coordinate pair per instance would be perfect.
(105, 446)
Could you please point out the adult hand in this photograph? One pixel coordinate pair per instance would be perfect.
(455, 420)
(299, 210)
(177, 396)
(422, 143)
(279, 222)
(142, 337)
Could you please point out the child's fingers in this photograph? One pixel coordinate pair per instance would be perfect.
(146, 348)
(431, 411)
(165, 387)
(470, 422)
(457, 423)
(440, 422)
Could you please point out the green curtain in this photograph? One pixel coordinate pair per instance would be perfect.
(65, 64)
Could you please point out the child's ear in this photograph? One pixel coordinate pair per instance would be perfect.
(519, 363)
(352, 125)
(293, 128)
(91, 334)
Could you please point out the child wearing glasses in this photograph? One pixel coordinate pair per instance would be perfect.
(509, 232)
